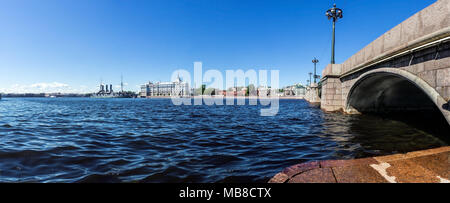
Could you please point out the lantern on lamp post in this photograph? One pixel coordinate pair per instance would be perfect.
(333, 13)
(315, 61)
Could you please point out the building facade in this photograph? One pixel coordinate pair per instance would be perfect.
(177, 88)
(294, 90)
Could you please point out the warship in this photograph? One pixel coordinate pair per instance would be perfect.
(106, 91)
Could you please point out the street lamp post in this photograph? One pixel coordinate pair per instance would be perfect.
(333, 13)
(310, 79)
(315, 61)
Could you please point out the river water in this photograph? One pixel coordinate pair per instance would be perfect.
(151, 140)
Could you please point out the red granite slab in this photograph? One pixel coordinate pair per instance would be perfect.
(300, 168)
(357, 174)
(337, 163)
(426, 166)
(406, 171)
(437, 163)
(318, 175)
(279, 178)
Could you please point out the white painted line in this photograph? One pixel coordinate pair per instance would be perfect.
(381, 169)
(443, 180)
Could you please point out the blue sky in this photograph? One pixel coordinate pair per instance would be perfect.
(69, 45)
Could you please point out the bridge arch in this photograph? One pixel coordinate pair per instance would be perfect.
(386, 90)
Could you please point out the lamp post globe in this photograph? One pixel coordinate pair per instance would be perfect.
(334, 13)
(315, 61)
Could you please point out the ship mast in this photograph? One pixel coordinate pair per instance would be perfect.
(121, 83)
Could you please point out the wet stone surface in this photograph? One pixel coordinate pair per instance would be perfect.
(426, 166)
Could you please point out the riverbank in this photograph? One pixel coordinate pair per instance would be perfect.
(225, 97)
(426, 166)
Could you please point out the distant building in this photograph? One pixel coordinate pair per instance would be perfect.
(234, 91)
(294, 90)
(264, 91)
(177, 88)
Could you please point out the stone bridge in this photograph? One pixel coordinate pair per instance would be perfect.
(407, 68)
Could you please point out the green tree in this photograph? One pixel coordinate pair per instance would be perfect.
(203, 89)
(200, 90)
(210, 91)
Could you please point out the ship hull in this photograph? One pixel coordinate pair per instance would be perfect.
(112, 96)
(107, 96)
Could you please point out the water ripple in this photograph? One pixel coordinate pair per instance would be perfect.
(138, 140)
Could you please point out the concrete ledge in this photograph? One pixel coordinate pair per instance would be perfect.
(332, 70)
(429, 166)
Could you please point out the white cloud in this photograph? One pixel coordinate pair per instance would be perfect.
(43, 87)
(54, 87)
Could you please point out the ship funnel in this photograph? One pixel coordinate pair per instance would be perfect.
(110, 88)
(107, 89)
